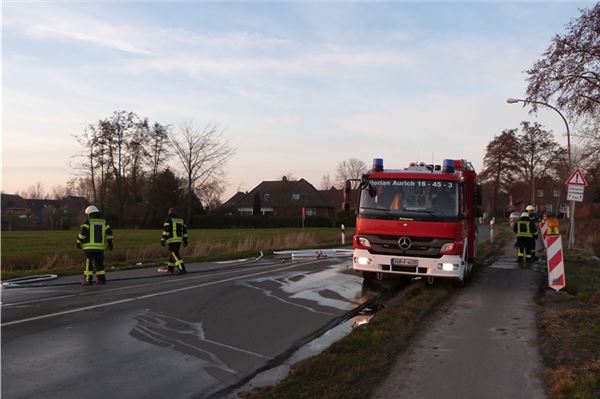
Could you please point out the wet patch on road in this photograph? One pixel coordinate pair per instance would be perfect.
(313, 290)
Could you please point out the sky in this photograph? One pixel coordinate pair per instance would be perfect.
(296, 87)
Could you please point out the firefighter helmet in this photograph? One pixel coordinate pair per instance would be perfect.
(172, 211)
(524, 215)
(91, 209)
(529, 208)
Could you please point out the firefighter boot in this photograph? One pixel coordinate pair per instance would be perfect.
(182, 269)
(87, 281)
(101, 278)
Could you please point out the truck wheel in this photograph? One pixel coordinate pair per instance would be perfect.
(368, 276)
(461, 281)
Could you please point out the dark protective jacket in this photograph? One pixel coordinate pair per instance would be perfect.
(174, 230)
(525, 228)
(95, 235)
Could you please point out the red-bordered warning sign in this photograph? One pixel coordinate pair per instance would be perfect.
(577, 178)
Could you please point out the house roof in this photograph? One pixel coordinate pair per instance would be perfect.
(336, 197)
(280, 193)
(233, 201)
(12, 201)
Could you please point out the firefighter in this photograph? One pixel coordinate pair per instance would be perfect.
(95, 235)
(526, 231)
(174, 234)
(531, 212)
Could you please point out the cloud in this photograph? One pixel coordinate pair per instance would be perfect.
(44, 22)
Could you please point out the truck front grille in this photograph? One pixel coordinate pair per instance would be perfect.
(425, 247)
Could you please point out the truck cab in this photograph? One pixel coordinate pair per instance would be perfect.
(417, 222)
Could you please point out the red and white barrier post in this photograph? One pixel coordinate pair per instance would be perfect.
(555, 262)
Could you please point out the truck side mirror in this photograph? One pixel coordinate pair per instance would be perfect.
(371, 190)
(347, 191)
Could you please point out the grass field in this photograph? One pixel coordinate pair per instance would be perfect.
(25, 252)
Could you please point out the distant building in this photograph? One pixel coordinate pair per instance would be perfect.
(285, 198)
(20, 213)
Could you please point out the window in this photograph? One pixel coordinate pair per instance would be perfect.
(311, 212)
(540, 193)
(266, 197)
(299, 196)
(556, 193)
(548, 208)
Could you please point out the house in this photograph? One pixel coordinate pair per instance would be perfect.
(284, 198)
(41, 213)
(14, 210)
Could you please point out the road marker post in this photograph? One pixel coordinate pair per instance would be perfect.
(555, 262)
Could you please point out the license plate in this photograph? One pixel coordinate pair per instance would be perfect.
(405, 262)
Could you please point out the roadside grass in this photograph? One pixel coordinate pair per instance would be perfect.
(27, 252)
(353, 367)
(569, 324)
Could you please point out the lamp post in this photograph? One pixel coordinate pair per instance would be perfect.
(572, 224)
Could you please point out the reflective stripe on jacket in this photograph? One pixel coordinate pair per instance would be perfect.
(524, 229)
(94, 234)
(174, 230)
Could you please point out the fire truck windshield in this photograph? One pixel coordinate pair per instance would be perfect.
(411, 199)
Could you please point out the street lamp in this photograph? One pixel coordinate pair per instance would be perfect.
(572, 224)
(517, 100)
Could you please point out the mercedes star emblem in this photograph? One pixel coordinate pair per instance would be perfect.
(404, 242)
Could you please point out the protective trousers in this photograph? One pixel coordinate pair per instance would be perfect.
(94, 261)
(175, 259)
(525, 248)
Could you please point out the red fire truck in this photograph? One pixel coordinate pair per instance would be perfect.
(417, 222)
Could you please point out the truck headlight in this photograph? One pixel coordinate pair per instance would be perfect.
(447, 267)
(362, 260)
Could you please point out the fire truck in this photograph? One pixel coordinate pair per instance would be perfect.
(416, 222)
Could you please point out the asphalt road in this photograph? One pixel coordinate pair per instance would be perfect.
(148, 335)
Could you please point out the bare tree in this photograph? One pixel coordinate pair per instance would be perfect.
(213, 190)
(499, 163)
(536, 149)
(118, 135)
(158, 148)
(60, 192)
(201, 153)
(568, 73)
(35, 191)
(326, 182)
(80, 186)
(350, 169)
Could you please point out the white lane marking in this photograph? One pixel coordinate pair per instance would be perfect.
(138, 298)
(237, 349)
(50, 298)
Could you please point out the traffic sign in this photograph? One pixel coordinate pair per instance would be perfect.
(574, 197)
(577, 178)
(575, 189)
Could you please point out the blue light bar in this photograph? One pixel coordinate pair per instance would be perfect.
(377, 165)
(448, 166)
